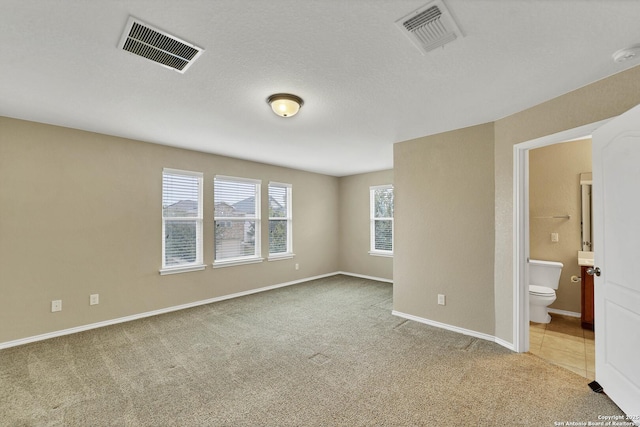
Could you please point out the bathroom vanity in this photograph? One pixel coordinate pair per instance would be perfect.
(586, 305)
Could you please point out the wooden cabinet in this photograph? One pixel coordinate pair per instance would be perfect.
(586, 286)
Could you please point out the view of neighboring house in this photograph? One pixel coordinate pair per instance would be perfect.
(180, 247)
(183, 208)
(234, 237)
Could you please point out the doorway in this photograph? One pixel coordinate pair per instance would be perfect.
(556, 235)
(522, 222)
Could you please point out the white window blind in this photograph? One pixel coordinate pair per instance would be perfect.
(280, 219)
(181, 219)
(381, 198)
(236, 219)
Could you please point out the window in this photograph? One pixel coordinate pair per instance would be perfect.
(381, 201)
(236, 220)
(181, 221)
(280, 221)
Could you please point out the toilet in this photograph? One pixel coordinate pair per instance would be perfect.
(544, 278)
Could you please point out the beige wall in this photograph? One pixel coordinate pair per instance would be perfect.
(598, 101)
(354, 226)
(444, 228)
(433, 239)
(554, 190)
(80, 213)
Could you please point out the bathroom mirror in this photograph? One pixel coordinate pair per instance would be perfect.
(586, 225)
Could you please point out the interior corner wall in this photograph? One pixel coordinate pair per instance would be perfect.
(354, 226)
(598, 101)
(80, 213)
(444, 228)
(554, 190)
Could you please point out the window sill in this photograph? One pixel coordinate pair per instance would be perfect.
(232, 262)
(278, 257)
(183, 269)
(382, 254)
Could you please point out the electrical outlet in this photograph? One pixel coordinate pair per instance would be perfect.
(297, 266)
(56, 305)
(555, 238)
(94, 299)
(441, 300)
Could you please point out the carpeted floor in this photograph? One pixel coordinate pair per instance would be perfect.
(324, 353)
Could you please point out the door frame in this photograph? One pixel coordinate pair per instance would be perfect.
(521, 225)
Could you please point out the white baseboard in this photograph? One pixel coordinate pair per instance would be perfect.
(457, 329)
(362, 276)
(504, 343)
(110, 322)
(564, 312)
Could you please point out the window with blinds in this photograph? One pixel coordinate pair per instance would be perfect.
(280, 225)
(181, 221)
(236, 220)
(381, 202)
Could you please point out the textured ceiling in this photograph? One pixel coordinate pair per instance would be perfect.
(365, 86)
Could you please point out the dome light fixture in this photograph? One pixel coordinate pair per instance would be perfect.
(285, 104)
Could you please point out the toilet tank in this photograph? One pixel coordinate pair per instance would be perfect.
(545, 273)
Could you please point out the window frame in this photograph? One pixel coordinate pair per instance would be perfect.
(239, 260)
(288, 218)
(372, 230)
(198, 263)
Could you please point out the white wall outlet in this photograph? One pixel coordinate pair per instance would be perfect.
(441, 300)
(297, 266)
(56, 305)
(555, 238)
(94, 299)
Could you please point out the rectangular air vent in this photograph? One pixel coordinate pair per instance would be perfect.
(158, 46)
(430, 26)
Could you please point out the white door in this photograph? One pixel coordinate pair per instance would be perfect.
(616, 224)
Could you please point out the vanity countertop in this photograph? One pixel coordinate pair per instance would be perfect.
(585, 258)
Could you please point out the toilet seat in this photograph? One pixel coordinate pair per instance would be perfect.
(542, 291)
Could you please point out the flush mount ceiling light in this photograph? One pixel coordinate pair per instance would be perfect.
(627, 54)
(285, 104)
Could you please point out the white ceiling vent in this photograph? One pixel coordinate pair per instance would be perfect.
(430, 26)
(158, 46)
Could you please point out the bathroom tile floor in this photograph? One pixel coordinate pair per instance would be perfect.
(563, 342)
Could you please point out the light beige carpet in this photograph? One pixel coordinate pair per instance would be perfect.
(323, 353)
